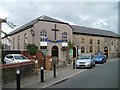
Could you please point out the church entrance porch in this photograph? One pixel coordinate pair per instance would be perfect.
(55, 51)
(106, 51)
(74, 52)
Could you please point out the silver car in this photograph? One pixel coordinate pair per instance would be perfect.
(15, 58)
(85, 60)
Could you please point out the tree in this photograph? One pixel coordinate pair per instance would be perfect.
(69, 47)
(32, 49)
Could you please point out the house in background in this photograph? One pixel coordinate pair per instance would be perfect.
(44, 31)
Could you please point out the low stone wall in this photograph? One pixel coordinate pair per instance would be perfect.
(9, 71)
(114, 55)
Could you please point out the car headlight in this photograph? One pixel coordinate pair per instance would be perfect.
(87, 63)
(100, 58)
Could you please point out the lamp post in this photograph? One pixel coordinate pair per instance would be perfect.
(18, 79)
(1, 21)
(32, 33)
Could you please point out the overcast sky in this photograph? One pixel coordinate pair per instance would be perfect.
(102, 15)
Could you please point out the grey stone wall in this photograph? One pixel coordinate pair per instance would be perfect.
(9, 71)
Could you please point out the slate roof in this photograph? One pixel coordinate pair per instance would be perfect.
(92, 31)
(76, 29)
(31, 23)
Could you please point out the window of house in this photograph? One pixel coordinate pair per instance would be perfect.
(82, 49)
(98, 42)
(111, 42)
(64, 37)
(43, 36)
(91, 45)
(82, 45)
(18, 42)
(82, 41)
(43, 47)
(25, 41)
(117, 42)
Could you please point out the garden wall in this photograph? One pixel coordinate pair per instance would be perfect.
(9, 71)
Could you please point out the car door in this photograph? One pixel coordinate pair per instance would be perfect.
(9, 59)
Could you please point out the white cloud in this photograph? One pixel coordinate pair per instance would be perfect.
(92, 14)
(82, 17)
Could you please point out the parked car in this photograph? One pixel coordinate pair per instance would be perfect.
(85, 60)
(99, 59)
(15, 58)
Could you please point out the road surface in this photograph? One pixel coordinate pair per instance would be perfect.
(101, 76)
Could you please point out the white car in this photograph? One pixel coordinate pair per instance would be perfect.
(85, 60)
(15, 58)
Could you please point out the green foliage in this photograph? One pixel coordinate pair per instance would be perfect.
(32, 49)
(69, 47)
(68, 59)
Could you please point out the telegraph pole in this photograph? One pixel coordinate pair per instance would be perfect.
(11, 25)
(1, 21)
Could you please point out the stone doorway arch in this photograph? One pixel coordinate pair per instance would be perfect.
(55, 51)
(74, 52)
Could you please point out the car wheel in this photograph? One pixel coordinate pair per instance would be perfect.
(90, 66)
(76, 67)
(4, 62)
(94, 65)
(102, 62)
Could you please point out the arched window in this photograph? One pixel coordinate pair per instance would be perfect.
(64, 37)
(82, 41)
(82, 45)
(25, 41)
(112, 42)
(91, 45)
(18, 42)
(98, 45)
(43, 36)
(98, 42)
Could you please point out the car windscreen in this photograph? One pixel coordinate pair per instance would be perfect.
(19, 57)
(98, 56)
(84, 57)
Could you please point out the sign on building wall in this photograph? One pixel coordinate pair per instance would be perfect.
(79, 51)
(71, 52)
(64, 44)
(43, 43)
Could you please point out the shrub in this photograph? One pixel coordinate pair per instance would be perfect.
(32, 49)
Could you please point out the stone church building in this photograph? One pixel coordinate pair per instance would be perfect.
(50, 35)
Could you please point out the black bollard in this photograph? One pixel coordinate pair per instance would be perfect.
(73, 63)
(54, 70)
(18, 79)
(42, 74)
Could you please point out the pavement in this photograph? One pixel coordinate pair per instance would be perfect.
(34, 81)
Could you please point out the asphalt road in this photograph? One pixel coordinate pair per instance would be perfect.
(101, 76)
